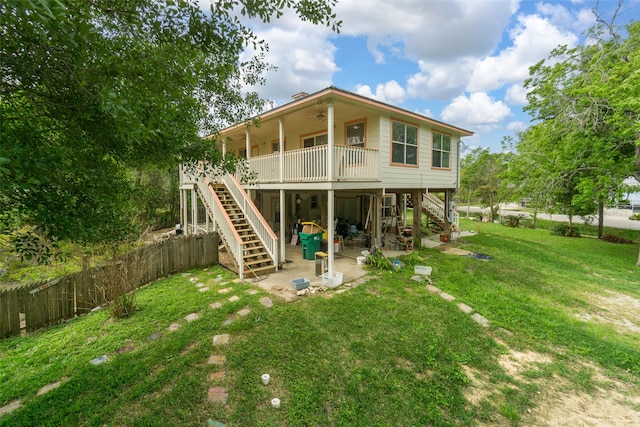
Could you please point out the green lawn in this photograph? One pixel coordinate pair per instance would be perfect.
(387, 352)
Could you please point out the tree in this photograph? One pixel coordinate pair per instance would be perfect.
(586, 99)
(480, 172)
(92, 90)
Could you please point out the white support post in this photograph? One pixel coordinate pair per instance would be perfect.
(194, 211)
(247, 139)
(283, 231)
(281, 151)
(185, 214)
(330, 143)
(330, 231)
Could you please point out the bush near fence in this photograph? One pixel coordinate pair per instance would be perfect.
(37, 305)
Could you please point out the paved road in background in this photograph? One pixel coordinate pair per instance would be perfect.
(617, 218)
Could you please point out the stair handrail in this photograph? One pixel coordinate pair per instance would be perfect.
(434, 205)
(225, 227)
(260, 225)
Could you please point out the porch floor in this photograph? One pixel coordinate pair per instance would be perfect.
(297, 267)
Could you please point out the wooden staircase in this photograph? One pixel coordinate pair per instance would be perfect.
(434, 208)
(255, 258)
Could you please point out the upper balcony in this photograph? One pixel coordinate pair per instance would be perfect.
(311, 165)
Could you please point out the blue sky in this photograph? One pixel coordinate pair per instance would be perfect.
(459, 61)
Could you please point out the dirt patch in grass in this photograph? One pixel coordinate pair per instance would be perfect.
(558, 403)
(616, 309)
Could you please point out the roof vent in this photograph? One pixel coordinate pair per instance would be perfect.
(300, 95)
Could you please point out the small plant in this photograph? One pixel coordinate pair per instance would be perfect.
(512, 220)
(564, 230)
(378, 261)
(413, 258)
(124, 306)
(616, 239)
(635, 217)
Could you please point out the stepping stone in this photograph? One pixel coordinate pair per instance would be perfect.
(125, 349)
(480, 320)
(173, 327)
(216, 359)
(237, 280)
(445, 296)
(154, 336)
(10, 407)
(99, 360)
(277, 288)
(213, 423)
(266, 301)
(200, 285)
(218, 395)
(416, 278)
(220, 375)
(186, 274)
(222, 339)
(339, 291)
(227, 322)
(234, 298)
(465, 308)
(218, 279)
(48, 388)
(215, 305)
(193, 279)
(506, 331)
(252, 291)
(433, 289)
(244, 312)
(225, 290)
(205, 289)
(191, 317)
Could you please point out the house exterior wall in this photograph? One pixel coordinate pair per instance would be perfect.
(422, 175)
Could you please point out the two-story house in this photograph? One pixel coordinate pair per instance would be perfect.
(327, 157)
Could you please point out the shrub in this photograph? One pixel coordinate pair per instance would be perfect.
(512, 220)
(565, 230)
(124, 306)
(378, 261)
(616, 239)
(635, 217)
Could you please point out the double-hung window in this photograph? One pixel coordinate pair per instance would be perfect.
(441, 154)
(404, 144)
(314, 141)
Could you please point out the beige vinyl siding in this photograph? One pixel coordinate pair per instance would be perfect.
(411, 177)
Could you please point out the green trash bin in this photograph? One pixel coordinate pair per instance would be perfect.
(310, 244)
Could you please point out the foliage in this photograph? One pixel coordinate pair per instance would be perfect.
(512, 220)
(93, 90)
(34, 247)
(480, 177)
(616, 239)
(565, 230)
(635, 217)
(124, 306)
(377, 260)
(586, 137)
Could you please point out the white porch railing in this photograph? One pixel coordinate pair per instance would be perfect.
(310, 165)
(254, 217)
(435, 206)
(356, 164)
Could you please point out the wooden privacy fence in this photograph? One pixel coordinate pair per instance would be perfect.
(36, 305)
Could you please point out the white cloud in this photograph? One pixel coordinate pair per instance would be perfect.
(533, 39)
(427, 29)
(516, 95)
(476, 112)
(390, 92)
(517, 126)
